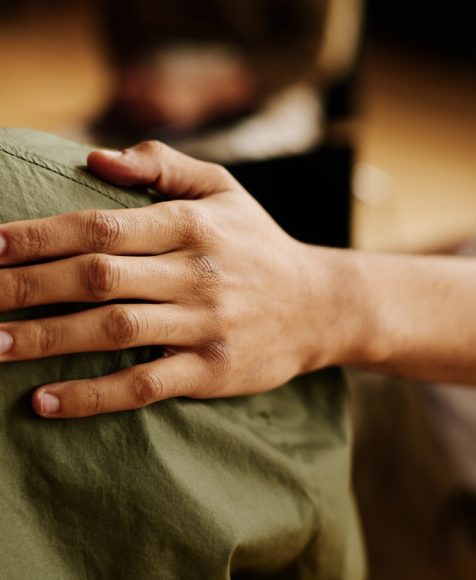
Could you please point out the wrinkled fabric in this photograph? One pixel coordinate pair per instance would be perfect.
(249, 487)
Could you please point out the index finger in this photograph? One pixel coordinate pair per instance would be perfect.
(122, 231)
(153, 230)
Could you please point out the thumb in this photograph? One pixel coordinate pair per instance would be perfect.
(161, 167)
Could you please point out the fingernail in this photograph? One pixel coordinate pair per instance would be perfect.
(3, 245)
(49, 404)
(6, 341)
(111, 153)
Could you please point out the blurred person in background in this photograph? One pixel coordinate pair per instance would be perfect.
(256, 86)
(260, 48)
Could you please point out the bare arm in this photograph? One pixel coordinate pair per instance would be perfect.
(239, 306)
(405, 315)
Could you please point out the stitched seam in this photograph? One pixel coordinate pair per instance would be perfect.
(58, 172)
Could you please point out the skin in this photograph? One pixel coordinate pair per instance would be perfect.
(240, 306)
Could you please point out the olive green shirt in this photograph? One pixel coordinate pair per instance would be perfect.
(250, 487)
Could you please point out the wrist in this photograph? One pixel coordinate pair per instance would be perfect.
(341, 320)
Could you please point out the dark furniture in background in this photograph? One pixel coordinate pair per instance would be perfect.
(308, 195)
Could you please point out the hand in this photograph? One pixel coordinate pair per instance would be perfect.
(224, 290)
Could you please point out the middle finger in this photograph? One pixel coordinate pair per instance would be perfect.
(94, 278)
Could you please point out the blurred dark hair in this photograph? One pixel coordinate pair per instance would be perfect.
(278, 37)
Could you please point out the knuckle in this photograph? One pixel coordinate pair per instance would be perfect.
(103, 230)
(217, 352)
(147, 388)
(102, 276)
(180, 217)
(37, 239)
(32, 241)
(122, 326)
(205, 270)
(153, 147)
(94, 399)
(195, 230)
(46, 338)
(23, 288)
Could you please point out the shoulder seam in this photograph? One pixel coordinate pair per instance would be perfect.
(44, 165)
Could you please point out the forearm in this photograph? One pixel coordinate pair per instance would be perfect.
(405, 315)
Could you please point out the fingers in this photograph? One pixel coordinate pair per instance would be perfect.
(95, 278)
(178, 375)
(108, 328)
(145, 231)
(156, 229)
(168, 171)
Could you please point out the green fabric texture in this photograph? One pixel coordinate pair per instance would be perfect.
(250, 487)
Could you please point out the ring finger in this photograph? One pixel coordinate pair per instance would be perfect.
(107, 328)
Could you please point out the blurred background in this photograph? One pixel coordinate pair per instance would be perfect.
(415, 128)
(372, 106)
